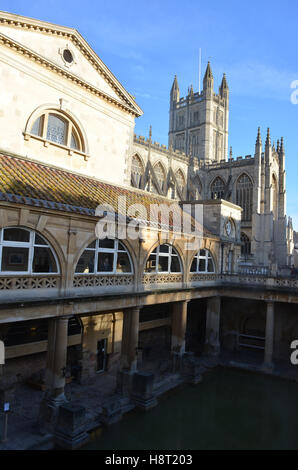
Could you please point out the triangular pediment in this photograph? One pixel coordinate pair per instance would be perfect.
(50, 42)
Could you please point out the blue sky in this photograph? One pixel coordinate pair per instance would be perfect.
(146, 43)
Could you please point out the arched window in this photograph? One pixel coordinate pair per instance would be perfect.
(217, 188)
(137, 172)
(180, 181)
(244, 195)
(24, 251)
(274, 196)
(105, 257)
(245, 245)
(54, 126)
(203, 263)
(164, 259)
(160, 175)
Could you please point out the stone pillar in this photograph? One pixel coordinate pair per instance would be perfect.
(269, 340)
(130, 339)
(56, 360)
(179, 319)
(212, 344)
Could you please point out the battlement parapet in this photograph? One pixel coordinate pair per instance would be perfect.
(177, 154)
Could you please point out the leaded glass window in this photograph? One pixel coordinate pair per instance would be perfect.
(137, 172)
(244, 196)
(57, 128)
(217, 188)
(160, 175)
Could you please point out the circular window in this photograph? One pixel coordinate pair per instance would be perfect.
(67, 56)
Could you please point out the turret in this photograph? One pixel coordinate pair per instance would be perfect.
(175, 92)
(224, 89)
(258, 174)
(208, 82)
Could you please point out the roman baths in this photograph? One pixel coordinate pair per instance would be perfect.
(97, 328)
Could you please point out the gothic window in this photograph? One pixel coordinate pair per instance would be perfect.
(180, 181)
(274, 196)
(105, 257)
(55, 127)
(160, 175)
(245, 245)
(180, 121)
(244, 195)
(137, 172)
(24, 251)
(180, 142)
(203, 263)
(217, 188)
(164, 259)
(196, 117)
(195, 140)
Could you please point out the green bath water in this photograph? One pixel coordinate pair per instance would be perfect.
(230, 410)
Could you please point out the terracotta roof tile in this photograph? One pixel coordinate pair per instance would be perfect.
(28, 182)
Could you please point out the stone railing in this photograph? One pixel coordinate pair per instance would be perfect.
(149, 279)
(103, 281)
(29, 282)
(260, 280)
(200, 277)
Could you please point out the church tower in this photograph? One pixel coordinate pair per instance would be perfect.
(199, 122)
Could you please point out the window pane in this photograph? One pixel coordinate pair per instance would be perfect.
(14, 259)
(121, 247)
(74, 143)
(151, 264)
(56, 131)
(44, 261)
(163, 264)
(16, 235)
(106, 243)
(164, 249)
(37, 127)
(202, 253)
(175, 265)
(39, 240)
(193, 268)
(92, 245)
(123, 263)
(202, 265)
(86, 262)
(105, 262)
(210, 266)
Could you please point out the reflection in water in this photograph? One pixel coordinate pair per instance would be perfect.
(229, 410)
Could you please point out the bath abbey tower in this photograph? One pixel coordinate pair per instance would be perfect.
(198, 166)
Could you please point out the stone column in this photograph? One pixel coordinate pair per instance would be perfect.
(130, 339)
(179, 319)
(212, 344)
(269, 340)
(56, 360)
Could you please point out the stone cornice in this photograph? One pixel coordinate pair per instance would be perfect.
(81, 44)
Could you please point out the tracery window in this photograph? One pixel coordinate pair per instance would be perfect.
(180, 180)
(274, 196)
(160, 175)
(105, 257)
(203, 263)
(245, 245)
(24, 251)
(54, 126)
(244, 196)
(217, 188)
(164, 259)
(137, 172)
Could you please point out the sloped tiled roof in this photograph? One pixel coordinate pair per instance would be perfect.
(36, 184)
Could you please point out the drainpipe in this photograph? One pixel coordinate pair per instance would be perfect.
(222, 257)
